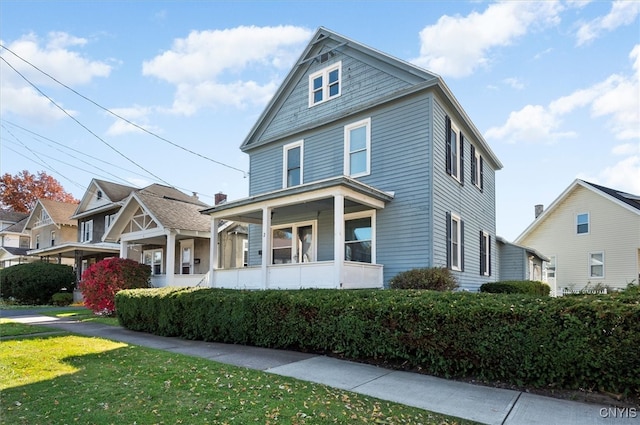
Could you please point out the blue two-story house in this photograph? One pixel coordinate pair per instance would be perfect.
(362, 166)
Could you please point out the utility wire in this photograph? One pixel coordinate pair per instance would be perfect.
(82, 125)
(244, 173)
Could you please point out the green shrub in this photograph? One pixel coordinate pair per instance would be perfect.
(102, 280)
(62, 298)
(516, 287)
(35, 283)
(433, 278)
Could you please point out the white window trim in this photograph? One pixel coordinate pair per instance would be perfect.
(487, 249)
(294, 231)
(477, 160)
(347, 147)
(458, 241)
(590, 264)
(588, 223)
(458, 158)
(152, 251)
(324, 73)
(86, 227)
(285, 166)
(364, 214)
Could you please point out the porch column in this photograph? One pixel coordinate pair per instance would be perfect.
(124, 247)
(266, 245)
(171, 258)
(338, 240)
(213, 252)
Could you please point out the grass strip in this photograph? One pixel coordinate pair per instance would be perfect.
(10, 328)
(76, 379)
(81, 314)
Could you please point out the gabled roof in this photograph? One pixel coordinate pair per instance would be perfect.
(59, 212)
(16, 227)
(625, 200)
(113, 193)
(168, 207)
(526, 249)
(419, 78)
(12, 216)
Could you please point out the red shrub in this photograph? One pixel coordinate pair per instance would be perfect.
(102, 280)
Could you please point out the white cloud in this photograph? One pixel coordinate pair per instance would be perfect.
(612, 98)
(456, 46)
(211, 68)
(137, 115)
(514, 83)
(622, 13)
(53, 56)
(624, 175)
(626, 149)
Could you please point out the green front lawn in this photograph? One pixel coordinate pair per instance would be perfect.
(76, 379)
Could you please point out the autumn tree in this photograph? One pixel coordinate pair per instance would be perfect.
(21, 192)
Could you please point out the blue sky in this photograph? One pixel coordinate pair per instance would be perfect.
(554, 86)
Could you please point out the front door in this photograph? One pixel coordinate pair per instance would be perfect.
(186, 256)
(305, 251)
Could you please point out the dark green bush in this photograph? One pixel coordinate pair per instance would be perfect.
(576, 342)
(35, 283)
(62, 298)
(516, 287)
(433, 278)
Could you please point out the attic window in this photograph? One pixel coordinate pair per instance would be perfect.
(325, 84)
(99, 195)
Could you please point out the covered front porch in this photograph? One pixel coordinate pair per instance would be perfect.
(316, 235)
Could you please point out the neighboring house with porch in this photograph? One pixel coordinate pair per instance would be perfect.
(162, 227)
(591, 235)
(94, 214)
(362, 166)
(516, 262)
(51, 226)
(14, 241)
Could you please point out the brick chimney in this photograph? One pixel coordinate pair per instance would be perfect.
(539, 209)
(219, 198)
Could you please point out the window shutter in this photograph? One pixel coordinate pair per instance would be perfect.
(448, 227)
(481, 174)
(482, 253)
(489, 255)
(461, 158)
(448, 139)
(461, 245)
(473, 164)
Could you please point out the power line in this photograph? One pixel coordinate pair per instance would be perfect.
(80, 124)
(244, 173)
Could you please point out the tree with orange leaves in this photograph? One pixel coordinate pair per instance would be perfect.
(21, 192)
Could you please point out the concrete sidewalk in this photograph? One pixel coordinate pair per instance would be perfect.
(478, 403)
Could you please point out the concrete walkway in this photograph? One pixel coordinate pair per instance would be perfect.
(478, 403)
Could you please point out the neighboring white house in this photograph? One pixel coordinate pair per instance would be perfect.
(591, 235)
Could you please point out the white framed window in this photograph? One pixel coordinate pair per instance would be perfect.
(53, 238)
(86, 231)
(325, 84)
(294, 243)
(551, 267)
(485, 254)
(292, 154)
(582, 223)
(357, 148)
(153, 259)
(245, 252)
(360, 237)
(596, 265)
(477, 168)
(108, 221)
(38, 241)
(455, 242)
(454, 151)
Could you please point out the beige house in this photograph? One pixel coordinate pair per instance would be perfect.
(14, 241)
(50, 225)
(591, 235)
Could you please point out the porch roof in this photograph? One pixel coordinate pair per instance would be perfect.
(354, 191)
(68, 250)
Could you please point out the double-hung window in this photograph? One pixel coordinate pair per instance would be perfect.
(86, 231)
(485, 254)
(582, 223)
(455, 242)
(153, 258)
(357, 148)
(292, 160)
(596, 265)
(477, 168)
(359, 237)
(325, 84)
(53, 237)
(454, 151)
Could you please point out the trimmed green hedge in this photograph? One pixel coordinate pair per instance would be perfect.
(433, 278)
(578, 342)
(516, 287)
(35, 283)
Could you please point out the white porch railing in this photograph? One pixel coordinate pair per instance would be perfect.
(300, 276)
(182, 280)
